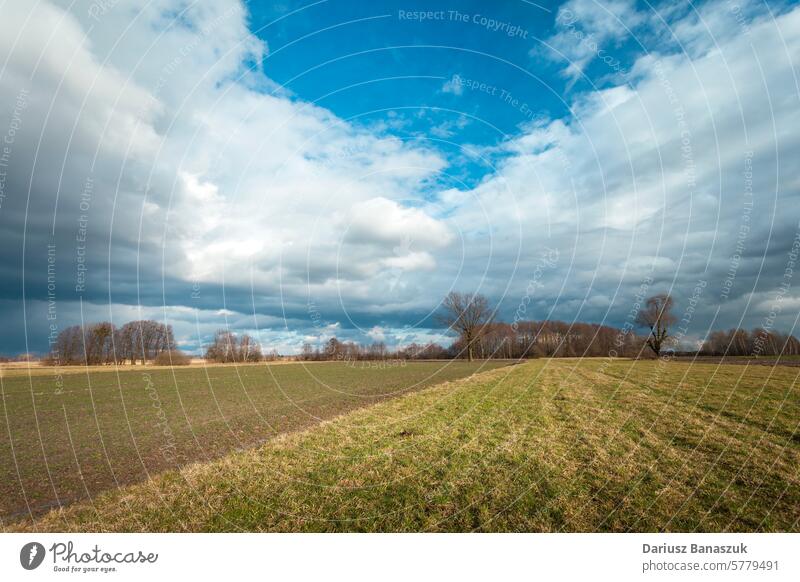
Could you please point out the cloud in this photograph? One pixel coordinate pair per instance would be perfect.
(657, 178)
(379, 220)
(454, 86)
(207, 191)
(157, 129)
(450, 127)
(377, 334)
(586, 27)
(707, 25)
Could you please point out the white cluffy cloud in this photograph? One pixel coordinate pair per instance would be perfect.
(240, 181)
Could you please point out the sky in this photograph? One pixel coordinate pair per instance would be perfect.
(299, 170)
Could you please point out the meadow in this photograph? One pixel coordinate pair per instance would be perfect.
(551, 445)
(71, 433)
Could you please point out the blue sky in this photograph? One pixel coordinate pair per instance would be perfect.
(301, 170)
(416, 58)
(373, 63)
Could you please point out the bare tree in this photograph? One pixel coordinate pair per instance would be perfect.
(657, 317)
(142, 340)
(99, 346)
(223, 349)
(469, 315)
(333, 348)
(249, 350)
(228, 347)
(68, 348)
(759, 342)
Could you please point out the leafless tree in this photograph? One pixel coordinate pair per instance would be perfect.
(103, 343)
(249, 350)
(657, 317)
(223, 348)
(68, 347)
(143, 340)
(99, 346)
(227, 347)
(759, 342)
(468, 315)
(333, 348)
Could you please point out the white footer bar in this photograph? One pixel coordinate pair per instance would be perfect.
(401, 557)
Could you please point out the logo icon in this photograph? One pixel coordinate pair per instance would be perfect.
(31, 555)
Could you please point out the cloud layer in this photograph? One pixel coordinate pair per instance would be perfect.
(175, 179)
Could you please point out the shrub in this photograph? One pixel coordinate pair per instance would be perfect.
(172, 358)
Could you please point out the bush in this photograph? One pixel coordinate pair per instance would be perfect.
(48, 360)
(172, 358)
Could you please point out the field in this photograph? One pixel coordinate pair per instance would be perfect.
(549, 445)
(790, 360)
(71, 433)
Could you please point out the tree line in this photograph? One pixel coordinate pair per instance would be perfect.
(229, 347)
(143, 341)
(104, 343)
(478, 334)
(525, 339)
(334, 349)
(758, 342)
(469, 316)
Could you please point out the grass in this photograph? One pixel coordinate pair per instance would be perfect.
(551, 445)
(67, 435)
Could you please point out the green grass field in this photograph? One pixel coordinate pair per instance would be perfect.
(69, 437)
(550, 445)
